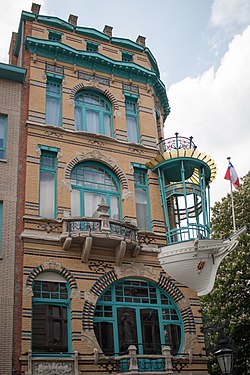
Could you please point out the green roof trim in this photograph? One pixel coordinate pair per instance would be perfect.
(126, 43)
(92, 33)
(55, 22)
(25, 16)
(98, 62)
(152, 60)
(13, 73)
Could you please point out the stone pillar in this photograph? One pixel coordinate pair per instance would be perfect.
(166, 351)
(103, 209)
(132, 358)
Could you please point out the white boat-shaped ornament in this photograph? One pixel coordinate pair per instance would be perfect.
(195, 263)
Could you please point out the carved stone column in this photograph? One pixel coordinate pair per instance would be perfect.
(132, 358)
(166, 351)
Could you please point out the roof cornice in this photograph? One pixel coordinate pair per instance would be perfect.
(13, 73)
(96, 61)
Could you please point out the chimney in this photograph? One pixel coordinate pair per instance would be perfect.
(141, 40)
(108, 30)
(35, 8)
(73, 19)
(12, 57)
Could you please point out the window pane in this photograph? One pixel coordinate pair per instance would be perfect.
(92, 122)
(132, 129)
(47, 194)
(91, 201)
(105, 336)
(150, 331)
(75, 203)
(107, 125)
(126, 328)
(141, 208)
(172, 334)
(1, 132)
(114, 207)
(78, 118)
(53, 111)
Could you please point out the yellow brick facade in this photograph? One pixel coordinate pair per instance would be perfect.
(45, 245)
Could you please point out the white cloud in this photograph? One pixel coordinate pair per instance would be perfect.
(11, 13)
(229, 12)
(214, 108)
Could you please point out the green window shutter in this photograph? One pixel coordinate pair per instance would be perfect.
(54, 101)
(3, 130)
(142, 199)
(48, 183)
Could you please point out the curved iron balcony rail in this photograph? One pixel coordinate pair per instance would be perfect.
(186, 233)
(176, 143)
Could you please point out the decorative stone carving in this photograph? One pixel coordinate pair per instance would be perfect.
(91, 298)
(53, 368)
(183, 303)
(190, 342)
(76, 294)
(127, 195)
(52, 265)
(90, 341)
(137, 269)
(65, 185)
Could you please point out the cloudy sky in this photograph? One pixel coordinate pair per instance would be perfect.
(203, 52)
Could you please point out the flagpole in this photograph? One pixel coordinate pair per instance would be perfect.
(232, 200)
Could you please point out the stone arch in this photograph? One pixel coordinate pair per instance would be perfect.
(51, 265)
(94, 85)
(96, 155)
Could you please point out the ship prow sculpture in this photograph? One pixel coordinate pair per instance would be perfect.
(184, 175)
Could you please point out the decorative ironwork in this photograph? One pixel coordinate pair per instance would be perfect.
(148, 364)
(122, 230)
(177, 143)
(57, 69)
(86, 225)
(92, 77)
(124, 365)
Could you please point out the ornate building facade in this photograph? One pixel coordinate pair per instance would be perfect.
(94, 296)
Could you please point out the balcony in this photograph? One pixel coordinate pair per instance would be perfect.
(53, 365)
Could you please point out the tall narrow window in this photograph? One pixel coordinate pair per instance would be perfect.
(48, 169)
(142, 199)
(93, 113)
(1, 220)
(132, 120)
(3, 126)
(53, 101)
(50, 314)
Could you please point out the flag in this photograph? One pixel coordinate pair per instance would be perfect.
(232, 176)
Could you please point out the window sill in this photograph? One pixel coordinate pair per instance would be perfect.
(3, 160)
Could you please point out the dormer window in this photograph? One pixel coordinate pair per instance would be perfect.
(127, 56)
(55, 36)
(92, 46)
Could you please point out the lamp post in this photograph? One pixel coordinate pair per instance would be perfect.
(225, 358)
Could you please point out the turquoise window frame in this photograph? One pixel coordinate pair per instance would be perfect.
(56, 81)
(142, 183)
(107, 193)
(56, 302)
(52, 171)
(3, 121)
(137, 306)
(55, 35)
(127, 56)
(91, 46)
(83, 107)
(132, 100)
(1, 228)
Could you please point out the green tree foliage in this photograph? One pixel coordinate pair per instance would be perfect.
(227, 308)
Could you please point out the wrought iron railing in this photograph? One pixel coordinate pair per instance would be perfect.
(176, 143)
(186, 233)
(93, 225)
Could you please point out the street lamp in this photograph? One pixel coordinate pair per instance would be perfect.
(225, 358)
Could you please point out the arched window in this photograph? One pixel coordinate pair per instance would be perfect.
(51, 314)
(93, 113)
(91, 182)
(137, 312)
